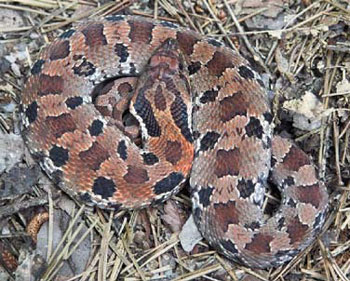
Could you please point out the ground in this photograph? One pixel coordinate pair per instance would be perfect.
(301, 48)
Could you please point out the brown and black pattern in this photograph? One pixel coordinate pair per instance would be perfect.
(50, 85)
(203, 114)
(94, 35)
(61, 124)
(94, 156)
(60, 50)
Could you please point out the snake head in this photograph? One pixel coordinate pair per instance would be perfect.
(168, 58)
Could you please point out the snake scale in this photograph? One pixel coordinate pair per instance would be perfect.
(203, 114)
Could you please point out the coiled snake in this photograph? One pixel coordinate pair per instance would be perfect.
(203, 114)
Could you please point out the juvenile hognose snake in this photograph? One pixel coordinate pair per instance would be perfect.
(203, 114)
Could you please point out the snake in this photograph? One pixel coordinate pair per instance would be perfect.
(123, 111)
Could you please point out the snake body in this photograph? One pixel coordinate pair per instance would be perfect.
(204, 115)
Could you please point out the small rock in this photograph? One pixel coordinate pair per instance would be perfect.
(11, 151)
(189, 235)
(306, 111)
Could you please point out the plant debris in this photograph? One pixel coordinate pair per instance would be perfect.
(300, 47)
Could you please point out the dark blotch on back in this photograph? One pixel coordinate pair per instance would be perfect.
(50, 85)
(295, 159)
(96, 128)
(169, 183)
(219, 63)
(122, 150)
(59, 50)
(260, 244)
(74, 102)
(36, 69)
(209, 141)
(58, 125)
(136, 175)
(246, 72)
(227, 162)
(231, 106)
(173, 152)
(254, 128)
(150, 158)
(186, 41)
(104, 187)
(140, 31)
(58, 155)
(94, 35)
(310, 194)
(121, 51)
(32, 112)
(296, 230)
(221, 219)
(204, 195)
(94, 156)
